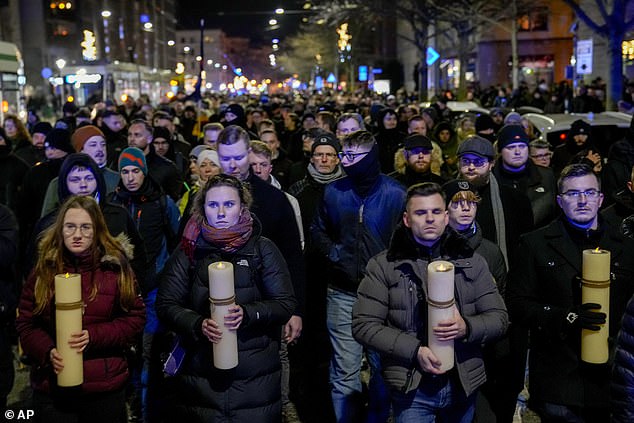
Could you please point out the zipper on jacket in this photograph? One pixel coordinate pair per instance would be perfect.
(359, 232)
(408, 380)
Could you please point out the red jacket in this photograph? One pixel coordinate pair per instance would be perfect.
(110, 329)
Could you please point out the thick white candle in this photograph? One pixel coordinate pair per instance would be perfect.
(68, 320)
(222, 296)
(595, 288)
(440, 295)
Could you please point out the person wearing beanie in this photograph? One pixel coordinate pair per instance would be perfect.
(485, 127)
(163, 143)
(178, 142)
(417, 153)
(162, 170)
(39, 133)
(515, 170)
(354, 222)
(90, 140)
(578, 139)
(156, 216)
(462, 204)
(206, 164)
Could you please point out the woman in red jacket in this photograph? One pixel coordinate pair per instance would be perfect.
(113, 315)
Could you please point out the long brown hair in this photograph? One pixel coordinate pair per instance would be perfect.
(51, 253)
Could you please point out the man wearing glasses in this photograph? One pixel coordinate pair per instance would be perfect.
(539, 151)
(544, 295)
(354, 222)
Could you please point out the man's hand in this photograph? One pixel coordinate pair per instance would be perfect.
(451, 329)
(428, 361)
(292, 329)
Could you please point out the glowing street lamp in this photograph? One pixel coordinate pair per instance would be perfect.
(279, 11)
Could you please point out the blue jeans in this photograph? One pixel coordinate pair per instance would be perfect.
(436, 397)
(345, 366)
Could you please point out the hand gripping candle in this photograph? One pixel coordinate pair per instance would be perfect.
(595, 288)
(222, 296)
(68, 320)
(440, 302)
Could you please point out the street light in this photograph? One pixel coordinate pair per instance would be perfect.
(273, 22)
(279, 11)
(61, 63)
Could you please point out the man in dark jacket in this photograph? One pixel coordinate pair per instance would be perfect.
(274, 211)
(391, 309)
(514, 170)
(162, 170)
(12, 172)
(544, 295)
(8, 298)
(579, 138)
(354, 222)
(417, 151)
(623, 206)
(114, 130)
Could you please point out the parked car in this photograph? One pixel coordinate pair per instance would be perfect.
(607, 127)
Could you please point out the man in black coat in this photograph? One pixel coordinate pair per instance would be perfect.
(417, 151)
(274, 211)
(514, 170)
(544, 295)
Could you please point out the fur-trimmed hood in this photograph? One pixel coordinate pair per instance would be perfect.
(403, 246)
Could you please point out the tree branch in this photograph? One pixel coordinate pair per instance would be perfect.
(585, 18)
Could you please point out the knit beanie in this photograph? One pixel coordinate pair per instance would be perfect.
(133, 156)
(81, 135)
(42, 128)
(60, 139)
(511, 134)
(208, 155)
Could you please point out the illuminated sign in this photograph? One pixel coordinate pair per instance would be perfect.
(89, 51)
(89, 78)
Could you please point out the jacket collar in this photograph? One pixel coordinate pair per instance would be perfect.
(403, 246)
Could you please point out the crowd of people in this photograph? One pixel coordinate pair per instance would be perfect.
(330, 210)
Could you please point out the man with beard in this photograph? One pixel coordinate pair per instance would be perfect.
(417, 151)
(114, 129)
(354, 222)
(577, 140)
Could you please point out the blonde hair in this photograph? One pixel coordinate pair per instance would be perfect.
(51, 252)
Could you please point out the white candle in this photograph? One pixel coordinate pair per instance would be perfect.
(595, 288)
(440, 296)
(222, 297)
(68, 320)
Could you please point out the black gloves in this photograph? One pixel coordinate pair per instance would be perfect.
(585, 317)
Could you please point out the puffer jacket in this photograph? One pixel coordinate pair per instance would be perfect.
(622, 388)
(111, 329)
(349, 229)
(251, 391)
(391, 301)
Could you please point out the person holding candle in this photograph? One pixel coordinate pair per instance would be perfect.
(390, 314)
(113, 315)
(223, 229)
(544, 293)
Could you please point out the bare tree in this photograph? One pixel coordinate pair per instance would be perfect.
(613, 26)
(310, 52)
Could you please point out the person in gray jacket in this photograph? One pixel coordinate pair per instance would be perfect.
(390, 314)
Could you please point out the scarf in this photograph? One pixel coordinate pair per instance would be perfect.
(228, 240)
(365, 172)
(322, 178)
(498, 217)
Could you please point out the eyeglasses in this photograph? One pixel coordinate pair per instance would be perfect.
(590, 194)
(541, 156)
(464, 162)
(70, 229)
(351, 156)
(324, 155)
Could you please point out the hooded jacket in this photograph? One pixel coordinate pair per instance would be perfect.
(390, 313)
(111, 329)
(251, 391)
(117, 218)
(389, 140)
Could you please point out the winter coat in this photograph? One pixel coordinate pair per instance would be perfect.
(350, 230)
(539, 185)
(389, 140)
(251, 391)
(164, 172)
(391, 301)
(12, 172)
(8, 256)
(618, 170)
(111, 329)
(543, 286)
(156, 218)
(278, 223)
(622, 208)
(25, 150)
(410, 177)
(622, 388)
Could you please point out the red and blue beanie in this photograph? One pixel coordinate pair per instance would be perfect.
(133, 156)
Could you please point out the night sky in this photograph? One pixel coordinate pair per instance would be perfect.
(246, 18)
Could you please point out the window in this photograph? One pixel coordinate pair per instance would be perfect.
(535, 20)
